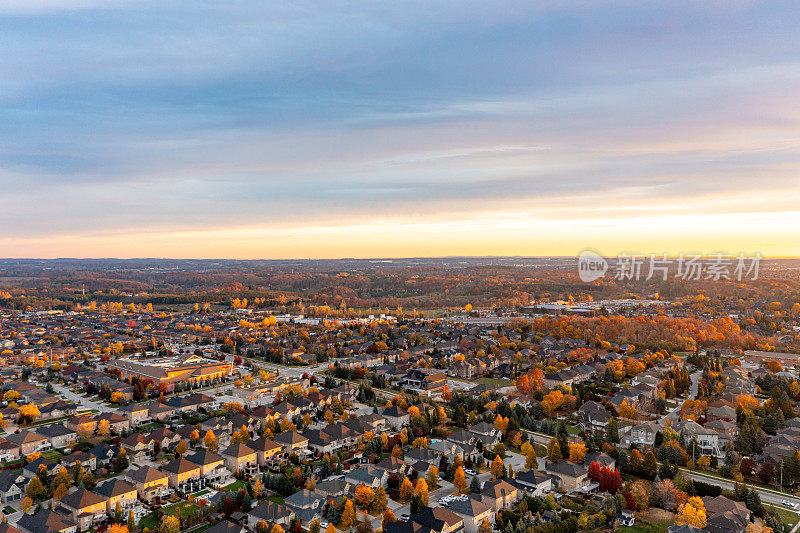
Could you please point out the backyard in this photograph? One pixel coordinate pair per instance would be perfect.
(151, 521)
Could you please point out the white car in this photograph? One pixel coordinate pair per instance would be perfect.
(787, 503)
(323, 526)
(470, 472)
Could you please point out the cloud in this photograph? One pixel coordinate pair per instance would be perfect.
(132, 118)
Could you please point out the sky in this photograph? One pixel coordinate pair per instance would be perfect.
(326, 129)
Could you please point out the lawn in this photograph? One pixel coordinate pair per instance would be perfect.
(652, 521)
(235, 486)
(53, 455)
(497, 383)
(151, 521)
(276, 498)
(787, 516)
(8, 510)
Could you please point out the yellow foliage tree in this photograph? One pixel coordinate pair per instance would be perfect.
(693, 513)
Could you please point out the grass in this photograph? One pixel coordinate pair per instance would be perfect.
(276, 498)
(235, 486)
(8, 510)
(787, 516)
(645, 523)
(495, 382)
(53, 455)
(151, 521)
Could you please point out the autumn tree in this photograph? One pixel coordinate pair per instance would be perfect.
(497, 468)
(421, 490)
(692, 513)
(406, 490)
(210, 441)
(460, 480)
(348, 514)
(554, 451)
(181, 448)
(28, 414)
(433, 476)
(577, 452)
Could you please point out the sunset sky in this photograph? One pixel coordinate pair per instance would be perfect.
(387, 129)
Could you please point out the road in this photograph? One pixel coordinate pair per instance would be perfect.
(767, 496)
(85, 403)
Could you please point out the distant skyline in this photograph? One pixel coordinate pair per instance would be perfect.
(348, 129)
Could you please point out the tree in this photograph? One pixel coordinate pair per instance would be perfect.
(577, 452)
(554, 451)
(121, 460)
(460, 480)
(693, 513)
(421, 490)
(313, 527)
(181, 448)
(331, 528)
(169, 524)
(485, 527)
(612, 431)
(194, 437)
(380, 502)
(433, 476)
(277, 529)
(210, 441)
(649, 465)
(766, 473)
(60, 491)
(103, 427)
(406, 490)
(388, 516)
(475, 485)
(348, 514)
(118, 513)
(88, 480)
(118, 528)
(36, 490)
(26, 504)
(498, 469)
(364, 496)
(131, 521)
(28, 414)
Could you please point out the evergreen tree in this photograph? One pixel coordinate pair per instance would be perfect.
(475, 485)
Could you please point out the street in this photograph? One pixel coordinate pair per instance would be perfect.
(767, 496)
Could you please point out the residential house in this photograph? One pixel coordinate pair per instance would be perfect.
(292, 442)
(29, 442)
(533, 482)
(116, 490)
(212, 467)
(571, 476)
(150, 483)
(499, 494)
(473, 512)
(268, 452)
(84, 507)
(271, 513)
(59, 435)
(240, 458)
(305, 504)
(46, 521)
(183, 475)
